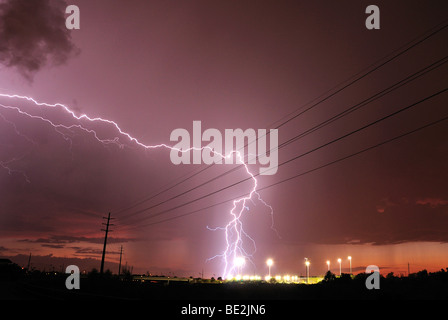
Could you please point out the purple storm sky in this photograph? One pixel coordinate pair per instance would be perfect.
(155, 66)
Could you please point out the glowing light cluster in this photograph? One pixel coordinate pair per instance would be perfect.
(244, 278)
(278, 278)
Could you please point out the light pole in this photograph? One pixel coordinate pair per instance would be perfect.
(307, 263)
(328, 265)
(340, 267)
(350, 262)
(269, 262)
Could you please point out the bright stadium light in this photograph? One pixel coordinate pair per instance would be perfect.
(350, 261)
(269, 262)
(307, 263)
(340, 266)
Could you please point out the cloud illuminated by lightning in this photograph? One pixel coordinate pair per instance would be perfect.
(235, 235)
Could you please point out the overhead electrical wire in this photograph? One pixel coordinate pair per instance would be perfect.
(378, 64)
(295, 138)
(303, 173)
(306, 153)
(376, 96)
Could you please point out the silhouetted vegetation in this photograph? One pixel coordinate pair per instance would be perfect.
(26, 284)
(329, 276)
(10, 270)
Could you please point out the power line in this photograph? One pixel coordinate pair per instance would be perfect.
(304, 173)
(417, 40)
(366, 74)
(182, 193)
(408, 46)
(306, 153)
(160, 192)
(359, 152)
(357, 106)
(376, 96)
(321, 125)
(366, 126)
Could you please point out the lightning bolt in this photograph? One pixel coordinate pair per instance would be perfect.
(5, 164)
(235, 236)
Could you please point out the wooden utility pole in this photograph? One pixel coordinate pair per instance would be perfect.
(119, 265)
(105, 241)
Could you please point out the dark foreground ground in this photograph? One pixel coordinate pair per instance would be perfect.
(422, 285)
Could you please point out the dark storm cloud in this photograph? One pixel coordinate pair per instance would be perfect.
(59, 240)
(33, 35)
(432, 202)
(79, 251)
(393, 221)
(404, 221)
(53, 246)
(48, 262)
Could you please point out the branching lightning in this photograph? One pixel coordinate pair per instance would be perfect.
(5, 164)
(235, 236)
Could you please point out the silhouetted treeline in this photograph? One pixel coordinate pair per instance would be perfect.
(420, 285)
